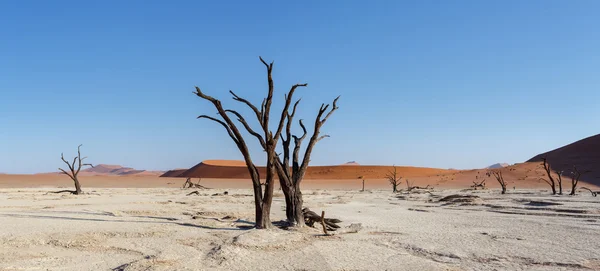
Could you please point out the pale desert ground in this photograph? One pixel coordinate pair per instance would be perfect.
(163, 229)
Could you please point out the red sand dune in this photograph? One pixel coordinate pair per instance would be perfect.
(585, 154)
(234, 169)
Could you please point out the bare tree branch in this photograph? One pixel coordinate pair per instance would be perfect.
(249, 104)
(248, 128)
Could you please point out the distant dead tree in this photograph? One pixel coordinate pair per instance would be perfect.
(559, 181)
(550, 180)
(363, 183)
(289, 178)
(189, 184)
(498, 175)
(481, 184)
(576, 175)
(394, 179)
(74, 169)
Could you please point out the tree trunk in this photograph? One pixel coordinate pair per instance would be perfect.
(553, 190)
(560, 188)
(503, 189)
(77, 187)
(293, 205)
(297, 203)
(263, 208)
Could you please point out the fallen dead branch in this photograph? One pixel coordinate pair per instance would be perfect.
(189, 184)
(193, 193)
(329, 224)
(594, 193)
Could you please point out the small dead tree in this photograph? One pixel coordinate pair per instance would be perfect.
(189, 184)
(481, 184)
(576, 175)
(498, 175)
(550, 180)
(394, 179)
(74, 169)
(559, 181)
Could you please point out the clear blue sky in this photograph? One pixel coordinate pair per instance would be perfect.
(450, 84)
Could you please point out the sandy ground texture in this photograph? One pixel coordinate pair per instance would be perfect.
(163, 229)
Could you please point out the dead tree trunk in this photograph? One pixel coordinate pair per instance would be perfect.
(498, 175)
(559, 181)
(574, 180)
(74, 169)
(550, 180)
(394, 179)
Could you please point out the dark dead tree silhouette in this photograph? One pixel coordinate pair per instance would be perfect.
(550, 180)
(394, 179)
(559, 181)
(576, 175)
(73, 172)
(262, 199)
(289, 178)
(481, 184)
(498, 175)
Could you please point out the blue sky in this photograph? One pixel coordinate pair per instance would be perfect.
(450, 84)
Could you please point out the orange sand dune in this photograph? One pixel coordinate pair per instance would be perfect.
(520, 176)
(234, 169)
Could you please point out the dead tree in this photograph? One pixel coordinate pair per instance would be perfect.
(74, 169)
(481, 184)
(575, 180)
(189, 184)
(498, 175)
(262, 199)
(559, 181)
(394, 179)
(550, 180)
(289, 178)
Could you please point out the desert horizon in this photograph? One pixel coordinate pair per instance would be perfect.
(313, 135)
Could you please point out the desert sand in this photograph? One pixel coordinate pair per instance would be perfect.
(163, 229)
(136, 220)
